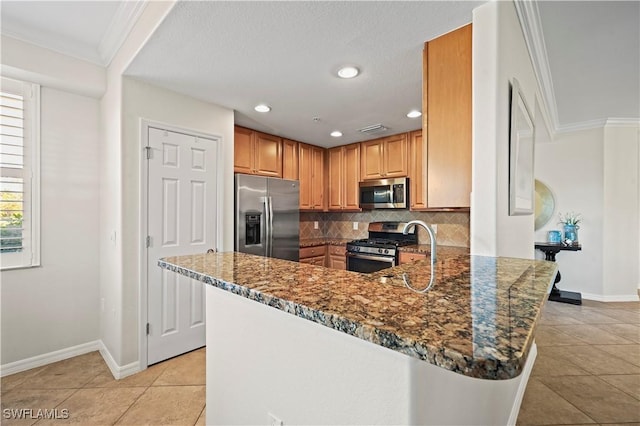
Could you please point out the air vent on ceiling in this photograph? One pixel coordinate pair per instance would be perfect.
(374, 128)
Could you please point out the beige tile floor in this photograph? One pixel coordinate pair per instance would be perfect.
(171, 392)
(588, 366)
(587, 372)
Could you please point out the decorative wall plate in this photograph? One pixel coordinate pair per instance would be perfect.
(545, 204)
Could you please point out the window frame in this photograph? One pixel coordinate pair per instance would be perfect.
(29, 257)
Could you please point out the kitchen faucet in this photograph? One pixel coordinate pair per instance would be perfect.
(432, 236)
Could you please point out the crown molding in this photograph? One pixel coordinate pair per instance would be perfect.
(583, 125)
(121, 24)
(529, 18)
(623, 122)
(50, 41)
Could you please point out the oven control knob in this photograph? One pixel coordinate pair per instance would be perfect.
(386, 251)
(356, 248)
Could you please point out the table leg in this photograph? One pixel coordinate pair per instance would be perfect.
(557, 295)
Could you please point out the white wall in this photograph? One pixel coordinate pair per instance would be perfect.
(141, 100)
(54, 306)
(572, 167)
(621, 211)
(113, 327)
(499, 55)
(604, 188)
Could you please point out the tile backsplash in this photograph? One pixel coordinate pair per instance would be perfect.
(453, 227)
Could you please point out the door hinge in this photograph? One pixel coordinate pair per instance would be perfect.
(148, 241)
(148, 328)
(149, 152)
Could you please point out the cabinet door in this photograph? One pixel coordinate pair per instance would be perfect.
(417, 171)
(268, 155)
(305, 173)
(243, 150)
(372, 159)
(448, 123)
(351, 177)
(395, 156)
(317, 178)
(289, 159)
(336, 181)
(337, 262)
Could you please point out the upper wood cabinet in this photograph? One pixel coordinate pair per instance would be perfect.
(446, 125)
(257, 153)
(417, 171)
(384, 157)
(344, 176)
(289, 159)
(311, 176)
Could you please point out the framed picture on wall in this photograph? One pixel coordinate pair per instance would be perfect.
(521, 146)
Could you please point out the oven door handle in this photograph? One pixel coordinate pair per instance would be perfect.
(385, 259)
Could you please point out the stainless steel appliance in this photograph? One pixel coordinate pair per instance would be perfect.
(267, 217)
(380, 250)
(384, 194)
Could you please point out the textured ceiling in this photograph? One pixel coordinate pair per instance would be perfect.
(286, 54)
(237, 54)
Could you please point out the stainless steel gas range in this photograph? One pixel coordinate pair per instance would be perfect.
(380, 250)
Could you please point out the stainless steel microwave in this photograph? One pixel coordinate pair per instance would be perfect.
(384, 194)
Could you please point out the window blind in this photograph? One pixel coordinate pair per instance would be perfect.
(19, 174)
(12, 177)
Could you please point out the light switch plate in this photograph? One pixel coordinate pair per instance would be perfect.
(315, 224)
(355, 226)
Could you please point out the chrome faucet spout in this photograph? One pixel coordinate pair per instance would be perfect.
(432, 235)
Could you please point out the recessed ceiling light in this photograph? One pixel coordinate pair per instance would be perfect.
(348, 72)
(336, 133)
(414, 113)
(262, 108)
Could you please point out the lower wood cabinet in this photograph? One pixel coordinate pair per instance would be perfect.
(337, 257)
(331, 256)
(407, 257)
(315, 255)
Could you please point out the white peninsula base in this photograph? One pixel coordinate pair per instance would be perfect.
(266, 366)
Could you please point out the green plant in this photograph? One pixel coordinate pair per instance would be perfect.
(570, 218)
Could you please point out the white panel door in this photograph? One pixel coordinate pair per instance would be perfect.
(181, 220)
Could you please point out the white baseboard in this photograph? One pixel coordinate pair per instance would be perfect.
(616, 298)
(118, 372)
(522, 387)
(48, 358)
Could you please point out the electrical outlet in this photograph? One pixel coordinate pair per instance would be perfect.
(273, 420)
(434, 226)
(315, 224)
(355, 226)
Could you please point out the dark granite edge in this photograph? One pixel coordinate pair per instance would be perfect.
(447, 358)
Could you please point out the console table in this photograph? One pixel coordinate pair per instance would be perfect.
(550, 250)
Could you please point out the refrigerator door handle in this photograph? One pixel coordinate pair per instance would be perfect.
(265, 224)
(270, 202)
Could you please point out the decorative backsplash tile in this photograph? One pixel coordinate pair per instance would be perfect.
(453, 227)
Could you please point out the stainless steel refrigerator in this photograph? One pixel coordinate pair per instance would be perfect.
(267, 216)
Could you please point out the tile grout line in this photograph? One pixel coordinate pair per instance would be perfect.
(131, 405)
(201, 412)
